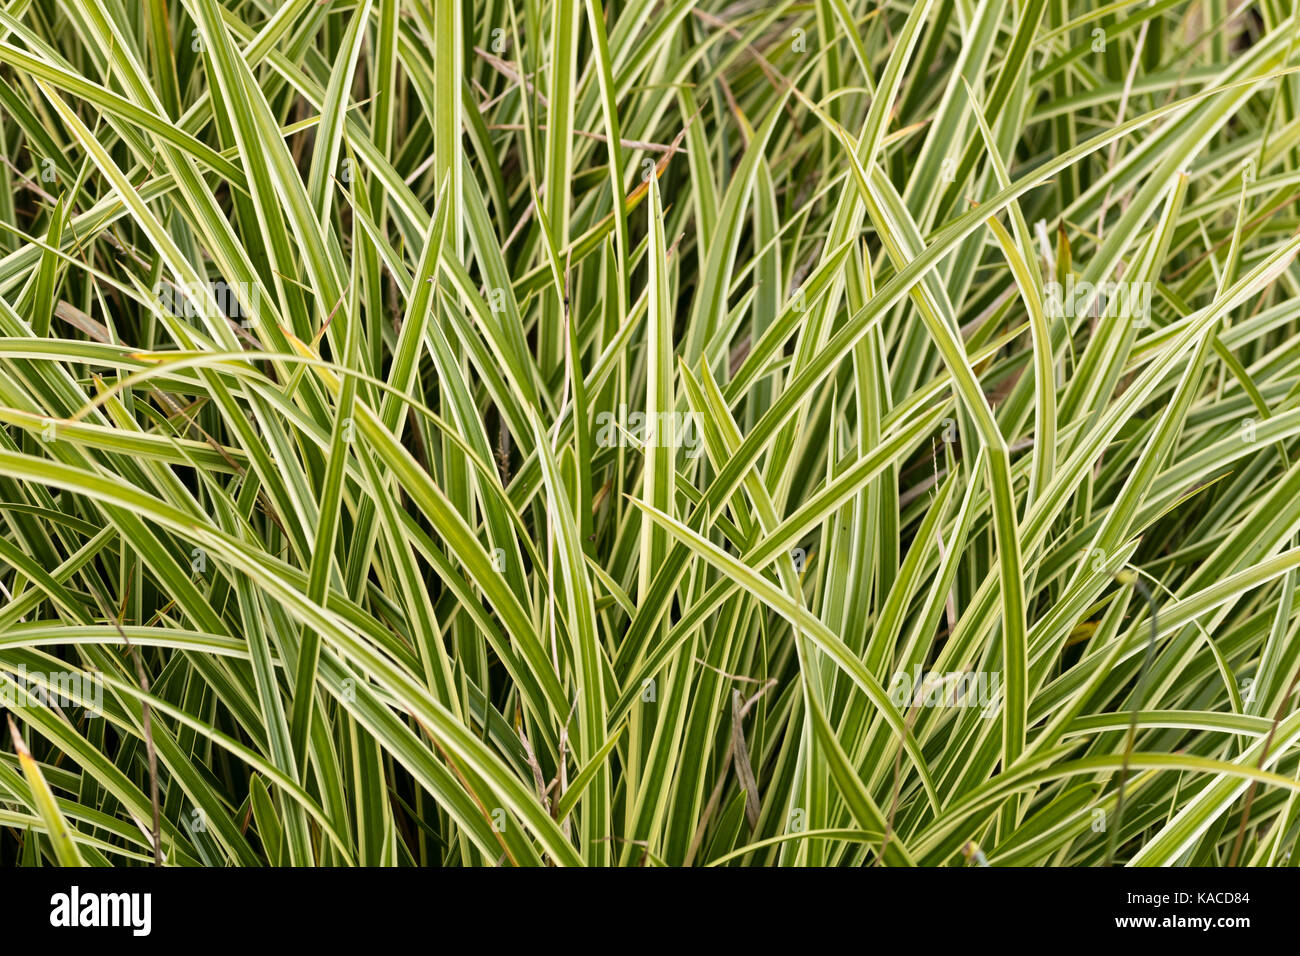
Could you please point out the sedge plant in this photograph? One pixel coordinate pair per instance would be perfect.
(650, 433)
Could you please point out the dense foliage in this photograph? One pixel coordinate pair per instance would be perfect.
(656, 432)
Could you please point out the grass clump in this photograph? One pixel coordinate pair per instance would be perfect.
(649, 433)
